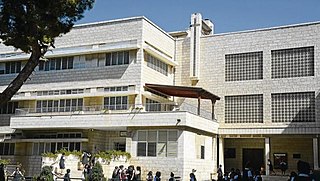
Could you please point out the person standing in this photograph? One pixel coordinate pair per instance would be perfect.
(158, 176)
(220, 173)
(149, 176)
(2, 175)
(172, 177)
(67, 176)
(283, 167)
(62, 165)
(270, 165)
(17, 175)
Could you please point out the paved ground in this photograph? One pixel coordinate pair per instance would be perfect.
(275, 178)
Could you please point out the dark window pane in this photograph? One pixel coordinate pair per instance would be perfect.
(141, 149)
(70, 63)
(58, 64)
(7, 67)
(13, 67)
(18, 68)
(64, 63)
(126, 57)
(152, 149)
(41, 65)
(46, 65)
(78, 146)
(52, 64)
(12, 147)
(108, 59)
(114, 58)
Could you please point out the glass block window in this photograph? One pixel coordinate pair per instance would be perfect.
(59, 63)
(117, 58)
(156, 64)
(244, 109)
(293, 107)
(116, 103)
(158, 143)
(244, 66)
(294, 62)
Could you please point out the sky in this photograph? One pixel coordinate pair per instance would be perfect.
(227, 15)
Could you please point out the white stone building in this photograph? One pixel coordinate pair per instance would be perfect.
(176, 101)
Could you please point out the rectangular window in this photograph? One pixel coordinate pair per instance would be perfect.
(7, 148)
(244, 66)
(202, 152)
(156, 64)
(152, 105)
(9, 108)
(116, 103)
(56, 64)
(40, 147)
(63, 105)
(293, 107)
(293, 62)
(11, 67)
(117, 58)
(244, 109)
(161, 143)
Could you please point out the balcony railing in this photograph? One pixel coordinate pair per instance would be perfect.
(109, 109)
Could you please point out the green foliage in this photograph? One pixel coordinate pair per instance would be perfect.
(49, 154)
(26, 23)
(97, 173)
(46, 174)
(66, 153)
(112, 155)
(5, 161)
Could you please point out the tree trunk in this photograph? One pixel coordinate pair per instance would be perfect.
(27, 70)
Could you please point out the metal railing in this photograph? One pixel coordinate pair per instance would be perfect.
(110, 109)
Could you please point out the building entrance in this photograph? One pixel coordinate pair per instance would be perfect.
(254, 157)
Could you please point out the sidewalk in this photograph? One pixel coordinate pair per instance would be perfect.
(275, 178)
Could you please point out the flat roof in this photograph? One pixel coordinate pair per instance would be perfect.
(182, 91)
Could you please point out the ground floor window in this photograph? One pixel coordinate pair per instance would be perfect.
(7, 148)
(120, 146)
(157, 143)
(41, 147)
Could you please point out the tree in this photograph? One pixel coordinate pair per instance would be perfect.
(96, 173)
(32, 26)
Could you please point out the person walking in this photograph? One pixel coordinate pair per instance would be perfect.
(149, 176)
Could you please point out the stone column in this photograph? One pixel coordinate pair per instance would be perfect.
(315, 154)
(221, 152)
(267, 153)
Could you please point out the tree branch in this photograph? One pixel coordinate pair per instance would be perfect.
(27, 70)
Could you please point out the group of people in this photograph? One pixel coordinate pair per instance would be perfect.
(235, 175)
(126, 174)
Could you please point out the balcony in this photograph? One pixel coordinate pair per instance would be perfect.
(112, 109)
(102, 118)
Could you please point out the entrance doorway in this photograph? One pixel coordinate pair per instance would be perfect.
(254, 157)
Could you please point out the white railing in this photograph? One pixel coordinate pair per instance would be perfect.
(109, 109)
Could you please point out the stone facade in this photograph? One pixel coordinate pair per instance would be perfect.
(95, 105)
